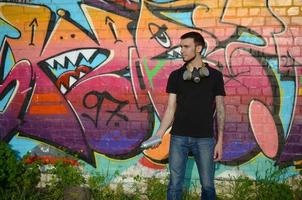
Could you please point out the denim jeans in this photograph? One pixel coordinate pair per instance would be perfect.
(203, 152)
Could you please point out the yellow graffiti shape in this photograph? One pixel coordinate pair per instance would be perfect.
(109, 28)
(250, 14)
(32, 21)
(162, 151)
(66, 36)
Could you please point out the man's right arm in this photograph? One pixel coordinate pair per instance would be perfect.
(168, 116)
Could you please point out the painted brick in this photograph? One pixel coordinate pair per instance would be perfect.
(294, 137)
(242, 127)
(253, 3)
(219, 32)
(234, 4)
(229, 31)
(283, 40)
(230, 127)
(230, 12)
(245, 100)
(257, 71)
(281, 3)
(293, 11)
(298, 41)
(238, 61)
(232, 83)
(296, 20)
(245, 12)
(297, 2)
(233, 20)
(298, 119)
(296, 50)
(242, 12)
(232, 100)
(208, 22)
(294, 148)
(245, 119)
(243, 109)
(264, 12)
(254, 91)
(248, 61)
(255, 82)
(254, 11)
(221, 3)
(215, 12)
(211, 3)
(230, 91)
(242, 91)
(279, 11)
(230, 109)
(270, 21)
(255, 21)
(233, 118)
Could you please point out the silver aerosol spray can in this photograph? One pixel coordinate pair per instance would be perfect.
(154, 140)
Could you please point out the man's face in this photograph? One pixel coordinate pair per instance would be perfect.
(188, 49)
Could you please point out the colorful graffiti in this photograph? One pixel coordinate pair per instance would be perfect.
(89, 77)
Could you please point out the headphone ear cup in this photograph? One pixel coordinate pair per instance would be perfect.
(187, 75)
(204, 72)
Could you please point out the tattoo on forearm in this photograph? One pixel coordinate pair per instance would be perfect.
(220, 116)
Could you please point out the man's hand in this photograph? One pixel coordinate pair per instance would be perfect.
(218, 151)
(155, 146)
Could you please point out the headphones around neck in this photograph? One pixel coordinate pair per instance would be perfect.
(196, 74)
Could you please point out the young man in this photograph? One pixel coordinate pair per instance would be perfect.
(193, 91)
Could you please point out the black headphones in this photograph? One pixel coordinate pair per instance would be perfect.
(196, 74)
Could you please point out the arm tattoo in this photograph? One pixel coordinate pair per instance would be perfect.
(220, 113)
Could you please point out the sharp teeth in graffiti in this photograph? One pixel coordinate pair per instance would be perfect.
(63, 89)
(178, 50)
(50, 62)
(72, 56)
(82, 74)
(72, 80)
(60, 59)
(170, 53)
(87, 53)
(175, 52)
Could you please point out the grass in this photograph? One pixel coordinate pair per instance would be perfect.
(19, 181)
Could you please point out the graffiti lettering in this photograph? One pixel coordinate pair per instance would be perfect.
(100, 97)
(33, 26)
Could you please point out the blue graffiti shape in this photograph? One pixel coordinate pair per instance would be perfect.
(7, 94)
(7, 31)
(7, 63)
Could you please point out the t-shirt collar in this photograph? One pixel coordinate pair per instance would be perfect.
(183, 68)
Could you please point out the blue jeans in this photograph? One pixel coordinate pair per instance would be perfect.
(203, 152)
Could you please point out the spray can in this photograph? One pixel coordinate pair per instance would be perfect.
(154, 140)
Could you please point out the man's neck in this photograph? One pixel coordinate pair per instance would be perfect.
(197, 63)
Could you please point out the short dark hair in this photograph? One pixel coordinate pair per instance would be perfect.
(197, 37)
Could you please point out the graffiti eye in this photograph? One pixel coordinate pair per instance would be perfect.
(160, 34)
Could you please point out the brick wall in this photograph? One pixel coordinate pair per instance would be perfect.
(89, 77)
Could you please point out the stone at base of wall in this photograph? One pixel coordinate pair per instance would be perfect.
(77, 193)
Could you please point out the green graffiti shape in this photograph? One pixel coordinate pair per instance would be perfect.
(154, 71)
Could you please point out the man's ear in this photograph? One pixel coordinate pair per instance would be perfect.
(198, 49)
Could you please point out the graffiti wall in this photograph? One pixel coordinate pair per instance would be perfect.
(87, 79)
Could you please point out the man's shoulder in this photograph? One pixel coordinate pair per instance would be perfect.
(177, 70)
(213, 69)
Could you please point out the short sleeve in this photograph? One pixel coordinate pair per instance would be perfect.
(172, 83)
(219, 86)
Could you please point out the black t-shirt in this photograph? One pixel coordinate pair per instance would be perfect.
(195, 102)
